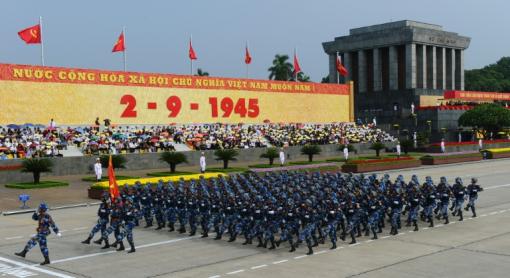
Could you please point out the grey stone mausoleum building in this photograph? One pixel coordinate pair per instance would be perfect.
(396, 64)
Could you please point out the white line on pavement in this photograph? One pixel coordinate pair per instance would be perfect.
(279, 262)
(215, 276)
(385, 237)
(258, 266)
(300, 257)
(235, 272)
(79, 228)
(321, 252)
(14, 237)
(496, 186)
(34, 268)
(109, 252)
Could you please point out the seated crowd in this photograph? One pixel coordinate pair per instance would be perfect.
(38, 142)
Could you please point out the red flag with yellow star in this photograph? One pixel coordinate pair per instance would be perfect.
(119, 45)
(112, 181)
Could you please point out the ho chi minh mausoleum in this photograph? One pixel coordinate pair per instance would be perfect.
(396, 64)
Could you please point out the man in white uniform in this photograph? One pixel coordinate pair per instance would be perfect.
(398, 149)
(443, 148)
(98, 169)
(346, 152)
(202, 163)
(282, 157)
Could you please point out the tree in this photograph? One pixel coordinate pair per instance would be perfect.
(271, 154)
(118, 161)
(226, 155)
(407, 145)
(173, 158)
(36, 166)
(377, 147)
(200, 72)
(281, 69)
(310, 151)
(486, 118)
(492, 78)
(302, 77)
(325, 79)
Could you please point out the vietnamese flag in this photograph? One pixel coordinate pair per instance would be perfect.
(112, 181)
(119, 45)
(297, 68)
(340, 68)
(31, 35)
(247, 56)
(192, 54)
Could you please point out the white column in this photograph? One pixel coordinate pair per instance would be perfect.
(459, 69)
(450, 69)
(431, 67)
(393, 61)
(441, 68)
(377, 63)
(348, 65)
(333, 76)
(410, 66)
(421, 66)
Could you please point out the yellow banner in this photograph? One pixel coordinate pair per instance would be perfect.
(37, 99)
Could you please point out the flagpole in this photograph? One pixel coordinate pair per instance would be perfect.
(190, 59)
(245, 58)
(337, 73)
(295, 57)
(42, 41)
(124, 52)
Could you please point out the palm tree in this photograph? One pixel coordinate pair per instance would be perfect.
(173, 158)
(36, 166)
(310, 151)
(118, 161)
(281, 69)
(271, 154)
(377, 147)
(302, 77)
(200, 72)
(226, 155)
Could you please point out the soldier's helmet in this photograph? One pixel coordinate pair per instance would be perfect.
(458, 180)
(474, 180)
(43, 207)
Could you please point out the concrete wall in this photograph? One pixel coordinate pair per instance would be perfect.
(83, 165)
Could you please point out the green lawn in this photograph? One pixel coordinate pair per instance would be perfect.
(264, 166)
(31, 185)
(228, 170)
(169, 174)
(305, 162)
(93, 179)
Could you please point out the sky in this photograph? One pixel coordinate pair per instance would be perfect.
(82, 33)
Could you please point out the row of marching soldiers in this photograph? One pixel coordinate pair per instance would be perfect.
(275, 208)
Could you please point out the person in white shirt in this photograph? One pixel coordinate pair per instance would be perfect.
(398, 149)
(346, 152)
(443, 148)
(480, 143)
(202, 163)
(412, 108)
(282, 157)
(53, 124)
(98, 169)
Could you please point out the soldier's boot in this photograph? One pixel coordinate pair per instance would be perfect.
(260, 242)
(233, 237)
(353, 238)
(87, 241)
(22, 254)
(398, 225)
(438, 217)
(473, 210)
(205, 234)
(249, 241)
(375, 233)
(292, 247)
(431, 221)
(467, 207)
(265, 243)
(460, 215)
(218, 236)
(182, 229)
(367, 232)
(99, 241)
(171, 226)
(246, 241)
(415, 225)
(273, 245)
(380, 229)
(359, 233)
(106, 244)
(334, 246)
(192, 232)
(132, 250)
(159, 227)
(121, 246)
(436, 210)
(446, 220)
(310, 250)
(114, 245)
(315, 242)
(322, 240)
(342, 236)
(454, 213)
(453, 206)
(278, 242)
(46, 260)
(408, 223)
